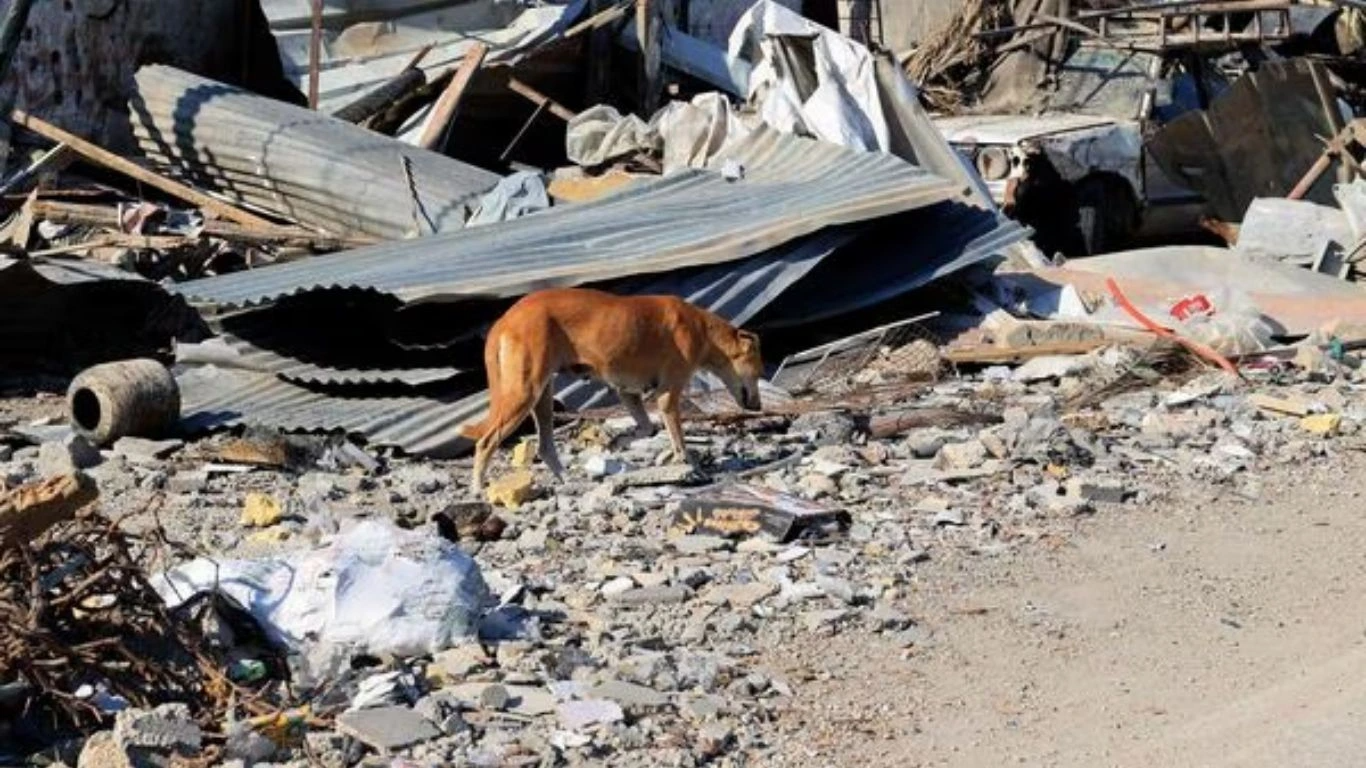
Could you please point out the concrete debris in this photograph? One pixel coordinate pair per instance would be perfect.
(387, 728)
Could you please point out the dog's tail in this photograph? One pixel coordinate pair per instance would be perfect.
(493, 368)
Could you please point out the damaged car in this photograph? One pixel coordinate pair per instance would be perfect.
(1085, 144)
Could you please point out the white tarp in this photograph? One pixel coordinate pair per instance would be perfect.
(689, 134)
(374, 589)
(843, 108)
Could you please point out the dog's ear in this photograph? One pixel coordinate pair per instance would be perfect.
(748, 341)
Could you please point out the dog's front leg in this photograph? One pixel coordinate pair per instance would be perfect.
(668, 412)
(636, 407)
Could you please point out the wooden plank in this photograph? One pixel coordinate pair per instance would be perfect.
(435, 133)
(992, 354)
(540, 99)
(113, 162)
(315, 54)
(651, 61)
(29, 510)
(60, 212)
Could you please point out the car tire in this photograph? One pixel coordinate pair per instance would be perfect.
(1107, 213)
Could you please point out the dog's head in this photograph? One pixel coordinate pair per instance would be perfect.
(746, 368)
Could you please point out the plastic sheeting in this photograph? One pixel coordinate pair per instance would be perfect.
(515, 196)
(374, 589)
(835, 99)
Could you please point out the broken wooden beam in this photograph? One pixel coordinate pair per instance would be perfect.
(438, 127)
(28, 511)
(651, 57)
(315, 54)
(85, 214)
(540, 99)
(123, 165)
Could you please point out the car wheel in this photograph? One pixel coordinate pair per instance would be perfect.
(1107, 213)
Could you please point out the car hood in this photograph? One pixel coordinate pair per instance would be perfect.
(1013, 129)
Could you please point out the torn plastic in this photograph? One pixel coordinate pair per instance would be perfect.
(373, 589)
(517, 195)
(832, 96)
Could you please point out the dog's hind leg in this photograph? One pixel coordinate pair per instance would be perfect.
(636, 407)
(504, 418)
(544, 416)
(668, 412)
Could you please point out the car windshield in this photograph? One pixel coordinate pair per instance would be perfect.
(1103, 83)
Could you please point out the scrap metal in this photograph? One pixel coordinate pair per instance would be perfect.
(296, 163)
(792, 187)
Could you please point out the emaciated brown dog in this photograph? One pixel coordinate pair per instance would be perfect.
(637, 345)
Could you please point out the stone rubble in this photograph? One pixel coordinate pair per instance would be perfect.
(615, 643)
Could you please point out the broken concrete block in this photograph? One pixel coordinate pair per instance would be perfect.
(66, 456)
(966, 455)
(140, 448)
(260, 510)
(742, 596)
(652, 596)
(601, 465)
(455, 664)
(577, 715)
(511, 490)
(387, 728)
(1280, 405)
(1322, 424)
(142, 738)
(187, 482)
(669, 474)
(1101, 491)
(524, 452)
(629, 695)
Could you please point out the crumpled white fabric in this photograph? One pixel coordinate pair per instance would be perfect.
(689, 134)
(844, 107)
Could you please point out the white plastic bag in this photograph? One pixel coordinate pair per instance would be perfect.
(373, 589)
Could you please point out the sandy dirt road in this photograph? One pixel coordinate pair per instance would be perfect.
(1206, 630)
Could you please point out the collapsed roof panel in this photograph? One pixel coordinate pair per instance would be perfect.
(297, 163)
(215, 398)
(791, 187)
(366, 47)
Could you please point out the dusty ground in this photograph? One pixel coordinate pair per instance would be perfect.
(1201, 631)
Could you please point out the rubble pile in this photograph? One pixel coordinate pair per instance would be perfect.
(246, 535)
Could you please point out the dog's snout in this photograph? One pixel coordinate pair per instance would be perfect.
(750, 399)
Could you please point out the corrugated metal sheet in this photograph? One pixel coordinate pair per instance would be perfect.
(229, 351)
(298, 14)
(61, 316)
(891, 258)
(214, 398)
(792, 187)
(360, 57)
(298, 163)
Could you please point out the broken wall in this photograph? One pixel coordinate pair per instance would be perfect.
(76, 58)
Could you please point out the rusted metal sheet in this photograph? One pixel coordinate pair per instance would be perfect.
(1256, 140)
